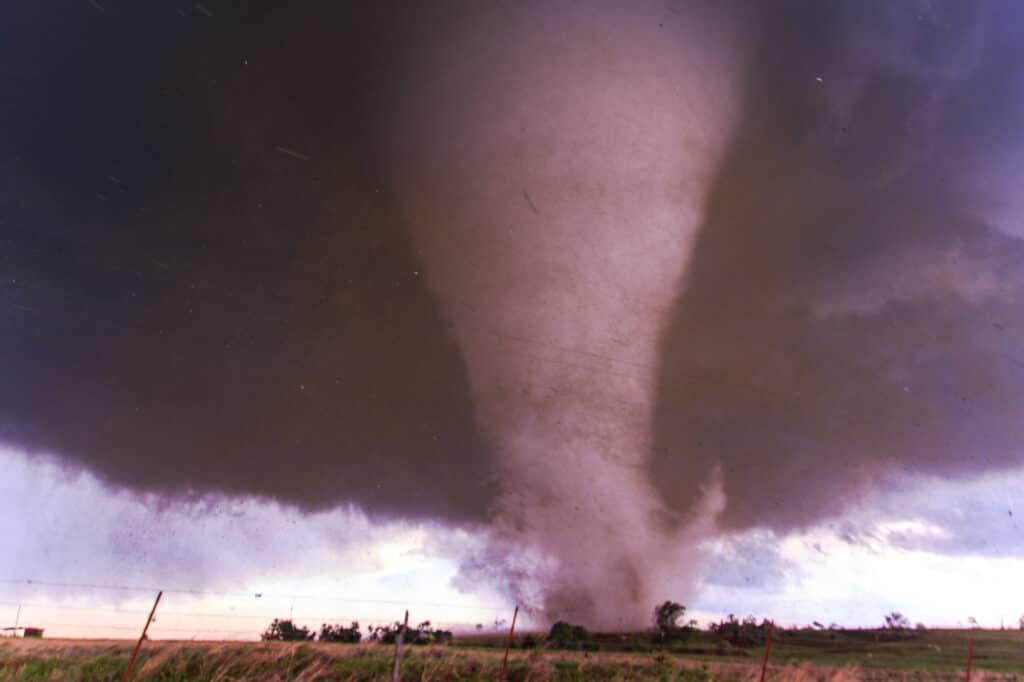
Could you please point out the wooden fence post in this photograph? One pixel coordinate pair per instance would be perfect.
(508, 644)
(395, 672)
(131, 661)
(970, 654)
(767, 648)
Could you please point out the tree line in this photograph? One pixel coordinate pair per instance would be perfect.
(282, 630)
(669, 619)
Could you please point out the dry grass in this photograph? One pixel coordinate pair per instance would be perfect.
(99, 660)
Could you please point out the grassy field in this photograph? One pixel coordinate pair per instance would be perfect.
(849, 656)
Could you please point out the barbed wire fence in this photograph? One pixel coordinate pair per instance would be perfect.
(114, 611)
(243, 615)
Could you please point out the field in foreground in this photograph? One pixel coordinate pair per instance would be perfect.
(843, 657)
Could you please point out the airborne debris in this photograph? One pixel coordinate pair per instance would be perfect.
(99, 8)
(292, 153)
(533, 206)
(202, 8)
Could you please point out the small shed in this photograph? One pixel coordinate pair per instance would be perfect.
(34, 633)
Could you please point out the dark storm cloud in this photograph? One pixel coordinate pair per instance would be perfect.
(853, 305)
(204, 286)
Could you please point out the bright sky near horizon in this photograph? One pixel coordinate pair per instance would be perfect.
(917, 552)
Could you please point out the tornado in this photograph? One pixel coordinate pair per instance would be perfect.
(551, 162)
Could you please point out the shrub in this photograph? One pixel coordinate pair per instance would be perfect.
(425, 634)
(747, 632)
(340, 633)
(569, 636)
(285, 631)
(421, 635)
(384, 634)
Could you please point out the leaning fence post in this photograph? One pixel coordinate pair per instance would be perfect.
(131, 661)
(508, 644)
(395, 672)
(767, 648)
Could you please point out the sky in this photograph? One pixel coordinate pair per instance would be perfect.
(940, 552)
(573, 305)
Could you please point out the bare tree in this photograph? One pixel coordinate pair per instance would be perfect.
(896, 621)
